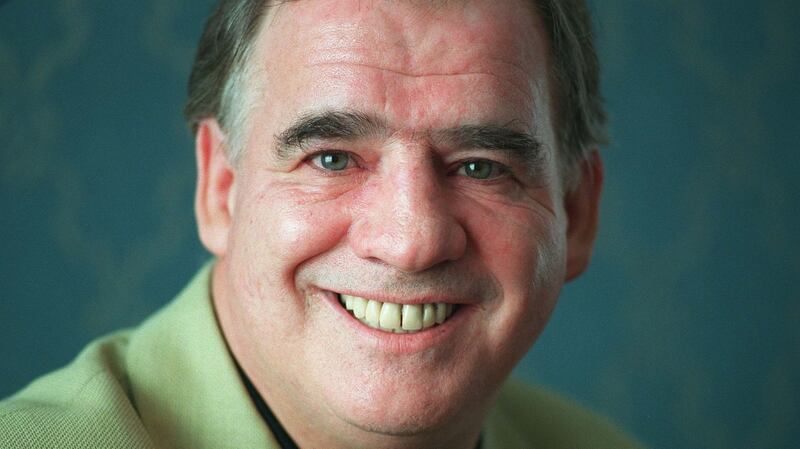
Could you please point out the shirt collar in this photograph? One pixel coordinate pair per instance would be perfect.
(184, 382)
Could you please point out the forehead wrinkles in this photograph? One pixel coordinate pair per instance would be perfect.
(414, 39)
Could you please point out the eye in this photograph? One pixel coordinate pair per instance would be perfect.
(481, 169)
(331, 160)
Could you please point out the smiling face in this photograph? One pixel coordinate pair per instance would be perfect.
(400, 159)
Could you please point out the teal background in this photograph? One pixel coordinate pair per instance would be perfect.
(685, 328)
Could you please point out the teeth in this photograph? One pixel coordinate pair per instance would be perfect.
(429, 315)
(390, 316)
(412, 317)
(359, 307)
(373, 313)
(398, 318)
(441, 312)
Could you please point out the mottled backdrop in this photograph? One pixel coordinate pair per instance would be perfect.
(685, 329)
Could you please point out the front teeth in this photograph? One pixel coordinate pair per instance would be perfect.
(412, 317)
(401, 318)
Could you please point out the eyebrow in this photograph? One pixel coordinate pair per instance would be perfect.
(326, 125)
(353, 125)
(494, 137)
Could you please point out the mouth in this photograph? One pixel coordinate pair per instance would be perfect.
(397, 318)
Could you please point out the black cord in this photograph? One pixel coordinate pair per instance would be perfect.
(283, 438)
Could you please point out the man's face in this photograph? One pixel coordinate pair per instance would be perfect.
(403, 154)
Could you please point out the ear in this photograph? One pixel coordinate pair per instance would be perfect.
(582, 206)
(214, 197)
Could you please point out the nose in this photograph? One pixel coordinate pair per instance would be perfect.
(406, 220)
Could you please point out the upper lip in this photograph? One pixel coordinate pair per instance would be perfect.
(417, 299)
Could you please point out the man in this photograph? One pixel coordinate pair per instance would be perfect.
(394, 193)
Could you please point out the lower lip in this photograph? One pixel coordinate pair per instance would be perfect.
(393, 343)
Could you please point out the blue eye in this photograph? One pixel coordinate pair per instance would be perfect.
(332, 160)
(481, 169)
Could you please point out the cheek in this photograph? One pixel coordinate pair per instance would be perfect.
(524, 249)
(512, 240)
(281, 229)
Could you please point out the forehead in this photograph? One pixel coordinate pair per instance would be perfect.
(400, 52)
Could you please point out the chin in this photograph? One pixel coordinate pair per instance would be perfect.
(399, 420)
(407, 408)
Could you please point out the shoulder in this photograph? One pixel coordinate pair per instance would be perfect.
(529, 416)
(85, 404)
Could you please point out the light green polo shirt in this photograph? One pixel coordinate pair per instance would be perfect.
(171, 383)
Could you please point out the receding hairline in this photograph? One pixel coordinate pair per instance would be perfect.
(248, 68)
(578, 110)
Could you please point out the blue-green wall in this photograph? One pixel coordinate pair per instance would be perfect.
(686, 329)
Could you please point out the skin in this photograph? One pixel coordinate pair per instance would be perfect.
(403, 222)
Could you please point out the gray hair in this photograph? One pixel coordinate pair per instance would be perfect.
(220, 66)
